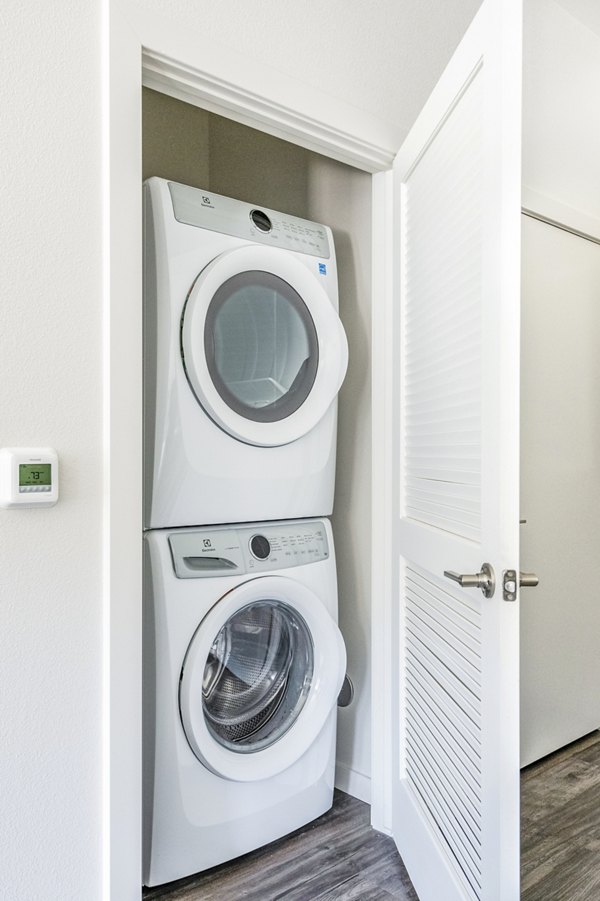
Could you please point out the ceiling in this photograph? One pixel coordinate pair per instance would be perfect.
(383, 56)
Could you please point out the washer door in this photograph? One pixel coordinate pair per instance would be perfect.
(264, 350)
(260, 677)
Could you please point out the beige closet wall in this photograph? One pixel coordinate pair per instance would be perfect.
(198, 148)
(175, 140)
(341, 197)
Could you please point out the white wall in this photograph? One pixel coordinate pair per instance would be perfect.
(51, 368)
(560, 488)
(561, 125)
(50, 378)
(560, 465)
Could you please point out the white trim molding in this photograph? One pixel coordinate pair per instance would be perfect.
(216, 95)
(353, 782)
(122, 438)
(183, 65)
(382, 499)
(547, 209)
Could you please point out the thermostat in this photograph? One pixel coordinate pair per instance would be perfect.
(28, 477)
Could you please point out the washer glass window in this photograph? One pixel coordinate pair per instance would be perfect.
(261, 346)
(257, 676)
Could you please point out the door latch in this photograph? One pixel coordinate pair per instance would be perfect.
(509, 583)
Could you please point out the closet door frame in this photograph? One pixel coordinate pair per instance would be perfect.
(143, 49)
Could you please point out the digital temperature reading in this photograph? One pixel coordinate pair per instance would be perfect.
(35, 475)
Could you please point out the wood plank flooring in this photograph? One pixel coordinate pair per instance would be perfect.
(340, 858)
(560, 825)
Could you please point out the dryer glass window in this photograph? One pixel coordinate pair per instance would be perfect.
(257, 676)
(261, 346)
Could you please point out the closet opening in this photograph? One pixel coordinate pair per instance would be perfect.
(191, 146)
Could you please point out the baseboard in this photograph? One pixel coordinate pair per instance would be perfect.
(352, 782)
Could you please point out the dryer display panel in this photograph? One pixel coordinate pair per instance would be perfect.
(261, 346)
(257, 676)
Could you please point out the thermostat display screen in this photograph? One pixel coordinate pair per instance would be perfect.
(35, 474)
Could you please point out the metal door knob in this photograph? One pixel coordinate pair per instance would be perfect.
(485, 579)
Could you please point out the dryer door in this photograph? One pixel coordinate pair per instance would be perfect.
(260, 678)
(263, 348)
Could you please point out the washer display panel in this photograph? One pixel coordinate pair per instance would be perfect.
(257, 676)
(261, 346)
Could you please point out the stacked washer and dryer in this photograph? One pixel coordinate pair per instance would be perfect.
(244, 355)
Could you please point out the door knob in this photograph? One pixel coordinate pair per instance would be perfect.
(485, 579)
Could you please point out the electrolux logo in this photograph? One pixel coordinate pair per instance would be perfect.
(206, 201)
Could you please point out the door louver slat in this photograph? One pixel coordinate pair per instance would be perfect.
(443, 685)
(446, 712)
(442, 320)
(429, 797)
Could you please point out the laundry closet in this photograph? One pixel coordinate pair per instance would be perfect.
(188, 145)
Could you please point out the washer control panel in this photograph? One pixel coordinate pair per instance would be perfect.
(205, 209)
(226, 551)
(275, 547)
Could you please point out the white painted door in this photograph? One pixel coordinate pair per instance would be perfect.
(456, 463)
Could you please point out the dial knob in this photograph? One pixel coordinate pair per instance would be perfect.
(261, 220)
(260, 547)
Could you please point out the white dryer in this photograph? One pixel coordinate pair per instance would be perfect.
(243, 663)
(244, 358)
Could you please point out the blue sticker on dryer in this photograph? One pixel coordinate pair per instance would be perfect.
(322, 269)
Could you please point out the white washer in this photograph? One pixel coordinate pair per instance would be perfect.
(243, 663)
(244, 358)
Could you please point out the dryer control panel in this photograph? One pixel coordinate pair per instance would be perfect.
(205, 209)
(206, 553)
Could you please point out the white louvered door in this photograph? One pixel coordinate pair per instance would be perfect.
(456, 457)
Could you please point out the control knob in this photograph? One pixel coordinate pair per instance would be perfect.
(260, 547)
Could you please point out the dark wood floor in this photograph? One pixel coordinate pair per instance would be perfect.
(337, 857)
(340, 858)
(560, 825)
